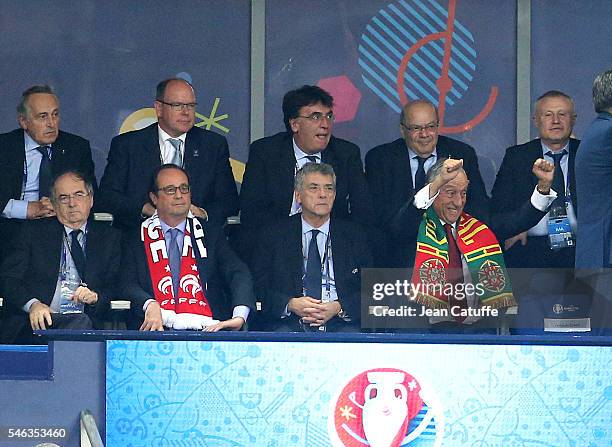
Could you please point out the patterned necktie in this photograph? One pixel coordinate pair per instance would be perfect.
(177, 159)
(420, 179)
(455, 270)
(76, 251)
(558, 180)
(174, 256)
(313, 278)
(44, 173)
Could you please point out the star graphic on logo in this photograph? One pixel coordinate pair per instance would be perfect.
(167, 268)
(412, 385)
(347, 413)
(193, 267)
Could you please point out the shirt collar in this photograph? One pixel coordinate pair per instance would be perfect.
(69, 230)
(163, 135)
(306, 227)
(30, 144)
(545, 148)
(414, 154)
(165, 227)
(299, 153)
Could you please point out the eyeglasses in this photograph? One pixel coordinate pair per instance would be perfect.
(318, 116)
(413, 128)
(170, 190)
(176, 106)
(64, 199)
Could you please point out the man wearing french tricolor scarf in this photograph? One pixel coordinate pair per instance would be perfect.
(459, 274)
(177, 271)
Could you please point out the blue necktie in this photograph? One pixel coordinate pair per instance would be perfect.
(174, 256)
(313, 278)
(558, 180)
(76, 251)
(420, 178)
(44, 172)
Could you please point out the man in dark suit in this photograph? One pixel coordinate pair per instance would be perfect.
(266, 194)
(307, 266)
(58, 268)
(594, 179)
(397, 171)
(133, 156)
(32, 156)
(522, 196)
(177, 269)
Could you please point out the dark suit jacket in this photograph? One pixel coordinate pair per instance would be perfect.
(68, 152)
(278, 266)
(31, 267)
(511, 208)
(267, 188)
(221, 272)
(134, 155)
(594, 180)
(390, 180)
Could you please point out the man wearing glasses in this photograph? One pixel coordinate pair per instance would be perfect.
(266, 194)
(133, 156)
(397, 173)
(178, 269)
(60, 271)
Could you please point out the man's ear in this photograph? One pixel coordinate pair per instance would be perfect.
(153, 199)
(298, 197)
(22, 121)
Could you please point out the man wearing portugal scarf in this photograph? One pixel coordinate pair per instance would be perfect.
(459, 272)
(177, 270)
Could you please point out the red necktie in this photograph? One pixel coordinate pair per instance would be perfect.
(455, 270)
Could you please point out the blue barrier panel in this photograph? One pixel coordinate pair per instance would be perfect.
(358, 390)
(19, 362)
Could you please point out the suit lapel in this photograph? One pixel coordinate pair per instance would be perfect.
(192, 151)
(16, 155)
(94, 247)
(340, 251)
(402, 169)
(573, 146)
(296, 257)
(286, 172)
(151, 149)
(51, 247)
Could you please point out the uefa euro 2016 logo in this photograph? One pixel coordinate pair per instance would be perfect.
(385, 407)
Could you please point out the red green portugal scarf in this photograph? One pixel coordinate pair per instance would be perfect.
(191, 296)
(478, 246)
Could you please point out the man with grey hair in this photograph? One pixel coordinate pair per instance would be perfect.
(307, 266)
(594, 180)
(32, 155)
(535, 190)
(396, 173)
(60, 272)
(459, 270)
